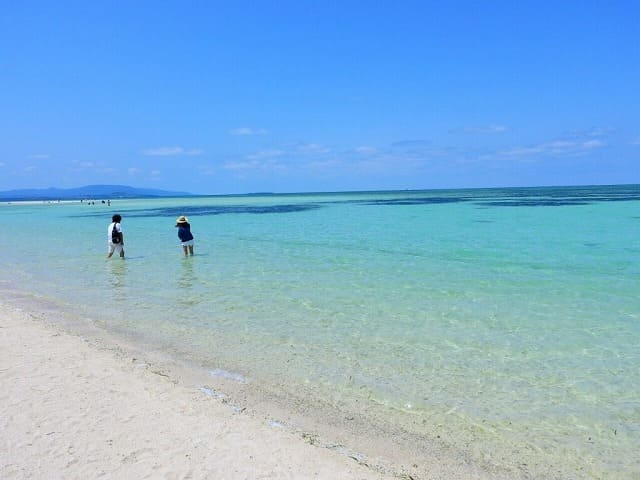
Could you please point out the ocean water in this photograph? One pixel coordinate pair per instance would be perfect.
(504, 320)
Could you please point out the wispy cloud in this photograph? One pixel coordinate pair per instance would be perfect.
(80, 166)
(248, 131)
(481, 129)
(406, 157)
(331, 164)
(239, 165)
(266, 154)
(39, 156)
(315, 160)
(270, 165)
(364, 150)
(171, 151)
(133, 171)
(592, 144)
(596, 132)
(310, 149)
(410, 144)
(636, 141)
(418, 149)
(558, 148)
(283, 158)
(292, 153)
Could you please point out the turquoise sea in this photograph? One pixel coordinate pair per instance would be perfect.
(504, 321)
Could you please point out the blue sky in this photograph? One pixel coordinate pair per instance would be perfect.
(236, 97)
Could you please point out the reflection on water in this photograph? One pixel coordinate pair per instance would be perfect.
(186, 278)
(117, 272)
(187, 282)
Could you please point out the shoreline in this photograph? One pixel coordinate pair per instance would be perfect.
(72, 408)
(77, 403)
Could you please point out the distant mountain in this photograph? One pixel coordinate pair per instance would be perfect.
(89, 191)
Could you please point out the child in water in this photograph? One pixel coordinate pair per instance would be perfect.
(184, 233)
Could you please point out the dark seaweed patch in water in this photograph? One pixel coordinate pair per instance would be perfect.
(198, 211)
(218, 210)
(534, 203)
(555, 196)
(558, 196)
(557, 200)
(613, 198)
(416, 201)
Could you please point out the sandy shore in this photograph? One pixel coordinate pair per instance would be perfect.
(72, 409)
(81, 405)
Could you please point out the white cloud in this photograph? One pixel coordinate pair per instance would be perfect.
(30, 168)
(133, 171)
(558, 148)
(325, 165)
(636, 141)
(266, 165)
(593, 144)
(292, 153)
(247, 131)
(521, 151)
(39, 156)
(155, 173)
(311, 149)
(162, 151)
(559, 144)
(80, 166)
(483, 129)
(170, 151)
(2, 164)
(594, 132)
(411, 144)
(252, 165)
(266, 154)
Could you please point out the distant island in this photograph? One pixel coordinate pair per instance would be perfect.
(87, 192)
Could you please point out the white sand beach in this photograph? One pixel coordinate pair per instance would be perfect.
(77, 407)
(69, 409)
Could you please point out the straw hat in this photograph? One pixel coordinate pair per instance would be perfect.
(182, 219)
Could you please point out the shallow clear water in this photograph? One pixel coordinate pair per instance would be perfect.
(507, 319)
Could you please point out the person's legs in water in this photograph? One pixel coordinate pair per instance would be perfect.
(113, 248)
